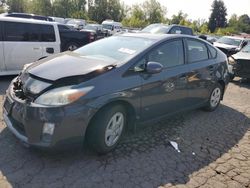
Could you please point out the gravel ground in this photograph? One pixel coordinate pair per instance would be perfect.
(215, 152)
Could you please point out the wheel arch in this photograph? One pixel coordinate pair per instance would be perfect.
(223, 85)
(130, 110)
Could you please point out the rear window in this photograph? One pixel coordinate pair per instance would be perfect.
(63, 28)
(186, 31)
(1, 31)
(197, 51)
(213, 52)
(48, 33)
(21, 31)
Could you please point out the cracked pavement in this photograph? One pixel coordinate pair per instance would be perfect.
(215, 152)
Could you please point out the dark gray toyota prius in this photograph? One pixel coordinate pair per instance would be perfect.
(97, 91)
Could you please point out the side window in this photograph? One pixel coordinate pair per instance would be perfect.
(21, 31)
(48, 33)
(63, 28)
(186, 31)
(140, 65)
(196, 50)
(169, 54)
(1, 31)
(175, 30)
(213, 52)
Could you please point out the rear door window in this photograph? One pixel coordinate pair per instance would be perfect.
(15, 31)
(186, 31)
(48, 33)
(213, 52)
(169, 54)
(1, 31)
(196, 51)
(63, 28)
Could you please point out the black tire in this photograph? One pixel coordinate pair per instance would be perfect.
(231, 76)
(211, 106)
(96, 133)
(71, 46)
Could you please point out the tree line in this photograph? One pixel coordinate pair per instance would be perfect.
(137, 16)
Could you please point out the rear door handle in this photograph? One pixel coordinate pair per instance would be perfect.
(50, 50)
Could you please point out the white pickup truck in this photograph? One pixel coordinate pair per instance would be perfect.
(24, 41)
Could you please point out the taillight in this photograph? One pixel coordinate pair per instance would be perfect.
(91, 37)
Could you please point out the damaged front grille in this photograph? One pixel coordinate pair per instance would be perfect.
(18, 89)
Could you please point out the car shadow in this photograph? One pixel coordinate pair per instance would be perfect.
(144, 157)
(4, 83)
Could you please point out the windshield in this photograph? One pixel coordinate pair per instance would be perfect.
(246, 49)
(156, 29)
(230, 41)
(108, 27)
(116, 48)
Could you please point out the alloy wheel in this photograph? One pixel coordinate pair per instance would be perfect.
(215, 97)
(114, 129)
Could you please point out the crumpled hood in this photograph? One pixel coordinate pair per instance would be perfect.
(66, 64)
(242, 55)
(225, 46)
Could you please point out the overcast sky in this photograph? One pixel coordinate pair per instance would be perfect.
(199, 8)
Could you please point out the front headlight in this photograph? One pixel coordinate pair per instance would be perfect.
(231, 61)
(62, 96)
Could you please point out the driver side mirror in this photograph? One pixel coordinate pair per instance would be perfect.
(153, 67)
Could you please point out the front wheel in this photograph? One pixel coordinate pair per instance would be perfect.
(214, 99)
(106, 129)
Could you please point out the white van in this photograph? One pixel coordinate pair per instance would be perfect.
(112, 26)
(25, 40)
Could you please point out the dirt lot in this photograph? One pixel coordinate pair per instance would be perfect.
(215, 152)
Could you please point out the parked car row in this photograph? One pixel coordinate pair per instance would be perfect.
(25, 40)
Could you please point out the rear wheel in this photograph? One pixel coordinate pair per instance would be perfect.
(106, 129)
(71, 46)
(215, 98)
(231, 76)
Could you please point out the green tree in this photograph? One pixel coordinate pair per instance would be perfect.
(154, 11)
(69, 8)
(218, 15)
(244, 23)
(17, 5)
(106, 9)
(98, 10)
(41, 7)
(3, 6)
(136, 18)
(176, 19)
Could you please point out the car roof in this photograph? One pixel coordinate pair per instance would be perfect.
(157, 37)
(26, 20)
